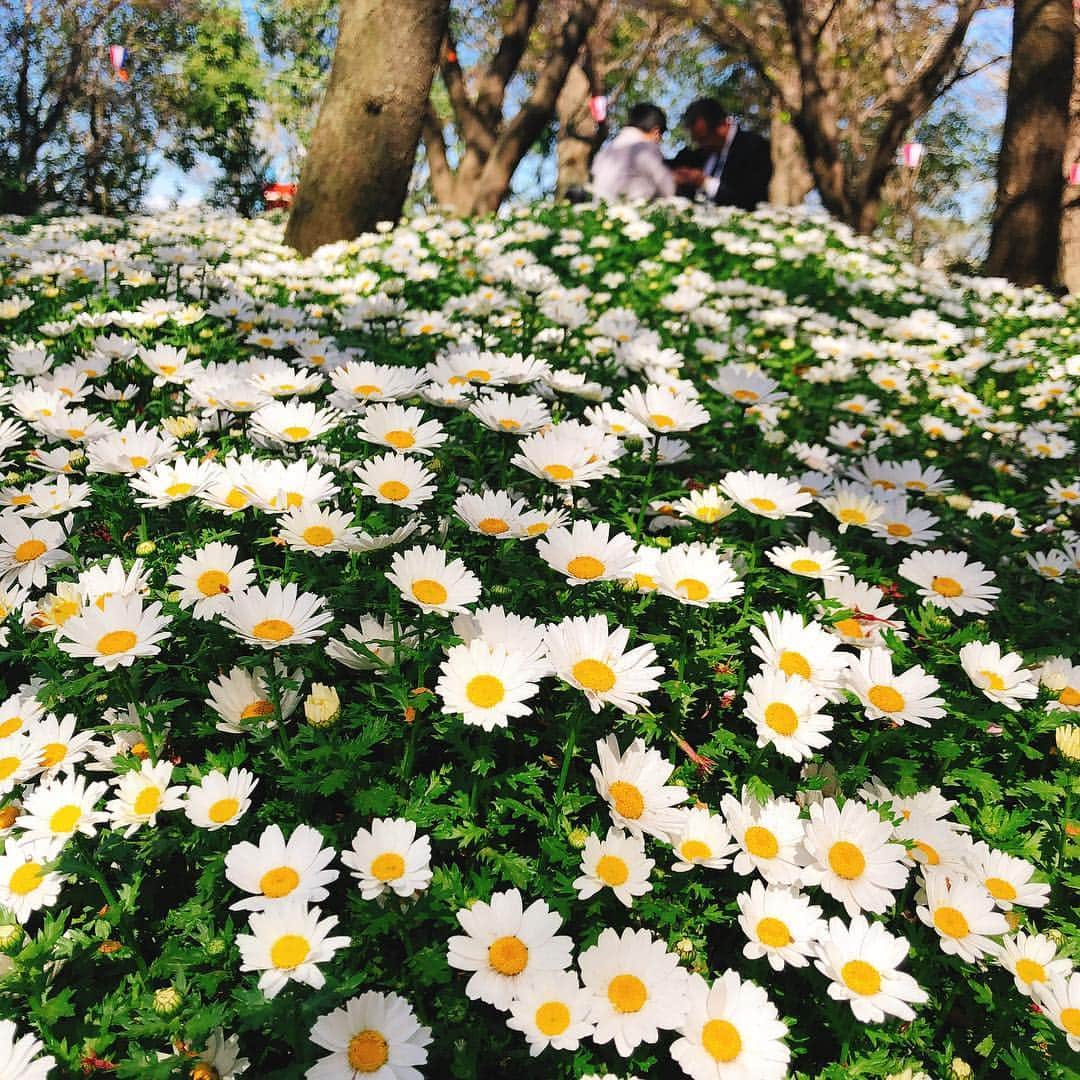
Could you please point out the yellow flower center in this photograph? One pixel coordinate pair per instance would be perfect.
(628, 800)
(257, 709)
(1030, 971)
(29, 550)
(116, 641)
(147, 801)
(485, 691)
(289, 951)
(863, 978)
(478, 375)
(627, 993)
(508, 955)
(1070, 1021)
(296, 433)
(946, 586)
(394, 490)
(25, 879)
(695, 851)
(272, 630)
(585, 567)
(849, 628)
(692, 589)
(368, 1051)
(594, 675)
(1070, 697)
(846, 860)
(428, 591)
(993, 680)
(8, 765)
(212, 582)
(929, 852)
(509, 425)
(388, 866)
(278, 882)
(951, 922)
(709, 514)
(222, 810)
(851, 516)
(898, 528)
(612, 870)
(793, 663)
(1000, 889)
(781, 718)
(366, 390)
(773, 933)
(65, 819)
(21, 500)
(493, 526)
(886, 698)
(400, 440)
(10, 726)
(806, 566)
(318, 535)
(236, 499)
(721, 1040)
(559, 472)
(745, 395)
(139, 462)
(552, 1018)
(760, 842)
(765, 506)
(52, 754)
(175, 491)
(661, 420)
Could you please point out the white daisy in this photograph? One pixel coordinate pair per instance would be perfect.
(634, 784)
(780, 924)
(389, 856)
(279, 871)
(279, 616)
(962, 912)
(219, 800)
(552, 1009)
(618, 863)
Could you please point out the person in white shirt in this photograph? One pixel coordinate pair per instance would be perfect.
(632, 165)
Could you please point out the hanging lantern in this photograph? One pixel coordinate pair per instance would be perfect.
(118, 56)
(1074, 173)
(598, 108)
(912, 154)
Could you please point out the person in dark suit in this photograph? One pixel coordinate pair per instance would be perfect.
(728, 164)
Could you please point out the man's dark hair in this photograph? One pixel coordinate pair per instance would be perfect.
(647, 117)
(708, 109)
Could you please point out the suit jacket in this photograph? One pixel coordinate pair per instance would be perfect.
(744, 180)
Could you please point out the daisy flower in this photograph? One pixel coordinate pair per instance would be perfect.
(279, 871)
(27, 883)
(1052, 565)
(209, 577)
(853, 857)
(962, 912)
(219, 800)
(769, 835)
(947, 580)
(938, 844)
(287, 943)
(318, 530)
(60, 745)
(170, 482)
(368, 381)
(505, 945)
(292, 422)
(510, 413)
(29, 551)
(1060, 1001)
(852, 504)
(1006, 878)
(701, 839)
(19, 760)
(634, 784)
(618, 863)
(695, 574)
(732, 1031)
(662, 411)
(903, 698)
(519, 634)
(401, 428)
(389, 856)
(19, 1057)
(637, 988)
(1001, 677)
(870, 615)
(242, 698)
(796, 647)
(396, 480)
(551, 1009)
(587, 552)
(426, 579)
(813, 560)
(221, 1057)
(593, 658)
(373, 1034)
(900, 524)
(491, 513)
(141, 795)
(485, 684)
(785, 712)
(861, 960)
(371, 646)
(116, 632)
(58, 810)
(279, 616)
(1033, 962)
(780, 924)
(566, 455)
(766, 495)
(706, 505)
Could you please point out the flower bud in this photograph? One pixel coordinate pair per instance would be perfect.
(577, 838)
(322, 706)
(147, 547)
(167, 1000)
(959, 1069)
(1067, 738)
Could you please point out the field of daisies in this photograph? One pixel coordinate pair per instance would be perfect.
(632, 642)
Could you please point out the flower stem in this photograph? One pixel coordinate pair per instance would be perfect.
(647, 492)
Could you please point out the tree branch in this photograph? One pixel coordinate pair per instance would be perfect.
(472, 130)
(515, 37)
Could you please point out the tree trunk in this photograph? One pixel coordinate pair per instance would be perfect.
(1069, 256)
(578, 135)
(791, 180)
(1027, 213)
(362, 150)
